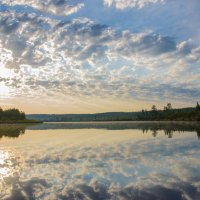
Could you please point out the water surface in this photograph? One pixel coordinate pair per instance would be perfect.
(119, 160)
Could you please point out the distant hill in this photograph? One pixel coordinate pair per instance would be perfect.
(110, 116)
(190, 114)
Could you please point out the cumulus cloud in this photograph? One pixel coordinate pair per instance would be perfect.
(150, 44)
(122, 4)
(59, 7)
(82, 58)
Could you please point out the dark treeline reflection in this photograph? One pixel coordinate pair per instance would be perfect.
(11, 131)
(146, 127)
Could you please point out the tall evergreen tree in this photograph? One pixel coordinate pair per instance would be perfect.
(153, 108)
(1, 113)
(169, 106)
(198, 106)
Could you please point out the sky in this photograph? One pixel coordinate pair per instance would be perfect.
(88, 56)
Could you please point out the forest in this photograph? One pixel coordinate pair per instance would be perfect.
(167, 114)
(11, 114)
(14, 115)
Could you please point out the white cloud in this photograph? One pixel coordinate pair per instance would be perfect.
(82, 58)
(59, 7)
(123, 4)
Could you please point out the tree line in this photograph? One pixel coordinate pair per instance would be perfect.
(169, 113)
(11, 114)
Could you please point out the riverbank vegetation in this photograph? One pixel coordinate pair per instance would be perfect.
(167, 114)
(14, 115)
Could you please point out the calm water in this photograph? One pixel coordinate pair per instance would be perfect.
(140, 161)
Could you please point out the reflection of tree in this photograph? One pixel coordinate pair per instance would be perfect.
(198, 134)
(11, 131)
(144, 130)
(146, 127)
(154, 133)
(154, 127)
(169, 133)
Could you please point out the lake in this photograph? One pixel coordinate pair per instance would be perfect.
(104, 160)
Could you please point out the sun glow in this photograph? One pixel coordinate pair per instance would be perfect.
(6, 73)
(4, 91)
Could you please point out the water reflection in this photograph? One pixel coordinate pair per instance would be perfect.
(146, 127)
(11, 131)
(53, 162)
(4, 171)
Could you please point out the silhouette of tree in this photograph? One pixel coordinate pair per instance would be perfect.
(169, 106)
(11, 114)
(1, 112)
(197, 106)
(153, 108)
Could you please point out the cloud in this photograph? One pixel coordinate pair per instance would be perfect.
(148, 44)
(59, 7)
(123, 4)
(81, 58)
(30, 189)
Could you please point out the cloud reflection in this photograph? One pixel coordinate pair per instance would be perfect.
(144, 169)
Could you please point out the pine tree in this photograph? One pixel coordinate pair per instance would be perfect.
(153, 108)
(198, 106)
(169, 106)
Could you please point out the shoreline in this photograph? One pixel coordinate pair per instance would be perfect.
(20, 122)
(31, 122)
(124, 121)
